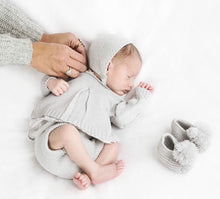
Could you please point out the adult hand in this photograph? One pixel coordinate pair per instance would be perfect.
(68, 39)
(55, 59)
(55, 53)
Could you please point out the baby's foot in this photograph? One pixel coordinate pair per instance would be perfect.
(82, 181)
(107, 172)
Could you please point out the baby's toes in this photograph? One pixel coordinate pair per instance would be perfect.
(81, 177)
(84, 183)
(77, 175)
(85, 180)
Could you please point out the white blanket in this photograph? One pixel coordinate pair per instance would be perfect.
(179, 42)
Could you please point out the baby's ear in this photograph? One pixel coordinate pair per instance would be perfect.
(110, 65)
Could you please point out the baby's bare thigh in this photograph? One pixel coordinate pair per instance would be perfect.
(59, 135)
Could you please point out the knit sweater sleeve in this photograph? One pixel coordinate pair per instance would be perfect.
(128, 110)
(14, 50)
(14, 21)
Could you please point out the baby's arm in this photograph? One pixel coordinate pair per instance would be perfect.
(54, 85)
(128, 111)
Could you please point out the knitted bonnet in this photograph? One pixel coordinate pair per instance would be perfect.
(102, 50)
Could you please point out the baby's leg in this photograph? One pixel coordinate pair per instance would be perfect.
(108, 154)
(68, 137)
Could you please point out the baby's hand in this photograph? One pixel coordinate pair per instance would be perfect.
(57, 86)
(146, 86)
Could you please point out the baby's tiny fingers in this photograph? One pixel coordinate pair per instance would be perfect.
(146, 86)
(151, 88)
(66, 84)
(55, 92)
(141, 84)
(60, 91)
(64, 88)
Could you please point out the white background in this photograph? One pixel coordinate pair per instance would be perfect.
(179, 42)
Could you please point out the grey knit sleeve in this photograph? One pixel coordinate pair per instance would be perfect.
(129, 110)
(14, 21)
(44, 89)
(14, 50)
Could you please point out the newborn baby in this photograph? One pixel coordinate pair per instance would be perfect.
(72, 124)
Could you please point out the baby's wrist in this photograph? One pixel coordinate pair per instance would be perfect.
(50, 82)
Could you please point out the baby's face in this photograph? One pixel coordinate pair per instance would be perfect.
(122, 73)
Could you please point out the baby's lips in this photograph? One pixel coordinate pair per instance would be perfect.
(126, 91)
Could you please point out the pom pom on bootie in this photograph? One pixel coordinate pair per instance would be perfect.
(198, 135)
(177, 156)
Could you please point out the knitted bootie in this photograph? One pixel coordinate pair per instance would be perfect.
(184, 130)
(177, 156)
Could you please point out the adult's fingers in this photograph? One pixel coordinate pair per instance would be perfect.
(81, 49)
(77, 56)
(59, 74)
(74, 72)
(77, 44)
(73, 40)
(76, 65)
